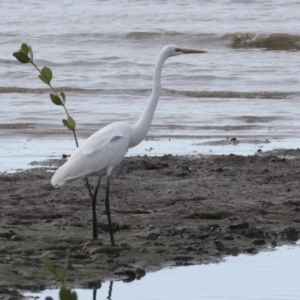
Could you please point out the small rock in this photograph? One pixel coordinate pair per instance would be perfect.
(105, 227)
(258, 242)
(251, 250)
(232, 251)
(172, 232)
(92, 284)
(28, 252)
(274, 243)
(54, 254)
(219, 245)
(124, 227)
(95, 243)
(106, 249)
(291, 234)
(199, 235)
(153, 236)
(190, 248)
(17, 238)
(253, 232)
(151, 227)
(235, 218)
(78, 224)
(8, 234)
(128, 273)
(143, 250)
(243, 225)
(140, 273)
(101, 257)
(23, 273)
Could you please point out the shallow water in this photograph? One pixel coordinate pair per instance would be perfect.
(103, 53)
(268, 275)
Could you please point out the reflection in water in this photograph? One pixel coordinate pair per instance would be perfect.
(268, 275)
(54, 294)
(110, 288)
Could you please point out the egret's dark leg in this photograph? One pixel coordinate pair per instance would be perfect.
(108, 212)
(94, 202)
(88, 187)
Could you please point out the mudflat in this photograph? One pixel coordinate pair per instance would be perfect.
(166, 211)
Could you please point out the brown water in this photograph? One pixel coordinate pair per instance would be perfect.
(103, 53)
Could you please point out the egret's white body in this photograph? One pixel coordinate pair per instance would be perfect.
(98, 155)
(106, 148)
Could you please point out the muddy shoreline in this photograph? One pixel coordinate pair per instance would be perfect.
(167, 211)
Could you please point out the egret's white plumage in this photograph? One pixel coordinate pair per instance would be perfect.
(106, 148)
(98, 155)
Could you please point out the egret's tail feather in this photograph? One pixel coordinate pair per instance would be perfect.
(60, 176)
(56, 180)
(74, 168)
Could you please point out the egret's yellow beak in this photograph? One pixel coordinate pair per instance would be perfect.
(187, 51)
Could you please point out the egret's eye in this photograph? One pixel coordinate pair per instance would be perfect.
(177, 50)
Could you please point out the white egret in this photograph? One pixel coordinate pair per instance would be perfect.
(106, 148)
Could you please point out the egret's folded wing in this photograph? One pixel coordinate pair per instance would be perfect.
(105, 148)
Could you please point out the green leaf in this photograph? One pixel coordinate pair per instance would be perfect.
(30, 53)
(67, 294)
(63, 294)
(55, 99)
(71, 123)
(74, 295)
(24, 48)
(63, 96)
(65, 122)
(46, 75)
(49, 266)
(21, 57)
(45, 81)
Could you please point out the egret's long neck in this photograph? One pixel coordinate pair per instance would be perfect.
(141, 128)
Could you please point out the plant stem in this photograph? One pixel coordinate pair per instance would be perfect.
(73, 130)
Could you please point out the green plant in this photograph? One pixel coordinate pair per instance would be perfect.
(25, 55)
(64, 292)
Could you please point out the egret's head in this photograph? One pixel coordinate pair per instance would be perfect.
(172, 50)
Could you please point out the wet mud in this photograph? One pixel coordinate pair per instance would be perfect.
(167, 211)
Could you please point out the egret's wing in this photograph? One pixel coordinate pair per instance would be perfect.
(105, 148)
(99, 140)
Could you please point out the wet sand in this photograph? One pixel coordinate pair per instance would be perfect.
(167, 211)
